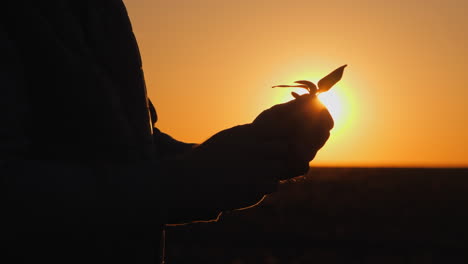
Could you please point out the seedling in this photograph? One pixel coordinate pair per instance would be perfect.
(325, 84)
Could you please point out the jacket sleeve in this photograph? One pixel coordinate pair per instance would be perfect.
(180, 206)
(192, 197)
(167, 147)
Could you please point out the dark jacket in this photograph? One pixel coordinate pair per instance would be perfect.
(80, 160)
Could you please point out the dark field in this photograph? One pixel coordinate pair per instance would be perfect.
(341, 215)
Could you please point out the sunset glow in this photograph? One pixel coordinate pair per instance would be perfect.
(334, 104)
(389, 109)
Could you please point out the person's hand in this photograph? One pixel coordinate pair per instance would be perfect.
(239, 155)
(237, 166)
(233, 169)
(302, 124)
(278, 145)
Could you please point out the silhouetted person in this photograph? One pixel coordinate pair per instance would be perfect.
(86, 177)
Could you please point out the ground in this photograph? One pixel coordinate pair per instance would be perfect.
(341, 215)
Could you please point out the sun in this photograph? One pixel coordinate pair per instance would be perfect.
(334, 99)
(339, 101)
(334, 103)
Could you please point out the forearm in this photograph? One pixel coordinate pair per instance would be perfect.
(167, 147)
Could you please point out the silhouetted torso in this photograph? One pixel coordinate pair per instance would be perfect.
(85, 102)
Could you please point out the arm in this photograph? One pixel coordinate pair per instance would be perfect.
(60, 191)
(63, 192)
(200, 190)
(237, 167)
(167, 147)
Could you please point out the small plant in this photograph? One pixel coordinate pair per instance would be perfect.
(325, 84)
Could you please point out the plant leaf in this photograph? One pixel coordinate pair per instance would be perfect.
(295, 95)
(289, 86)
(292, 86)
(327, 82)
(311, 85)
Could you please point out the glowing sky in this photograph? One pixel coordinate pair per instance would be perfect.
(210, 64)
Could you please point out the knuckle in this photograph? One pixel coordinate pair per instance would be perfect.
(327, 119)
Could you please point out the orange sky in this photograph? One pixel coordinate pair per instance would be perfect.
(210, 64)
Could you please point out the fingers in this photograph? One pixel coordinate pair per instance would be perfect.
(295, 168)
(299, 114)
(275, 159)
(285, 169)
(294, 153)
(275, 156)
(326, 120)
(272, 160)
(289, 160)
